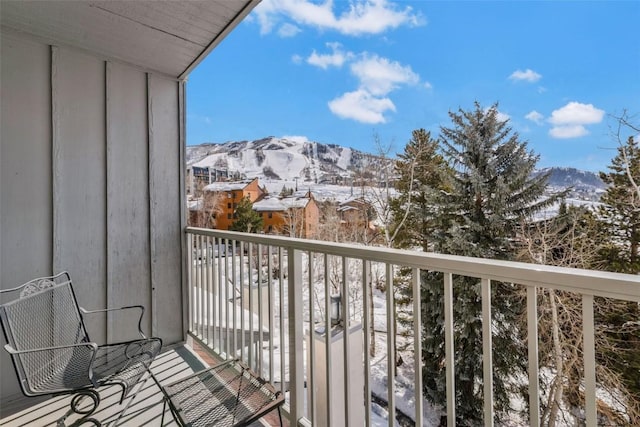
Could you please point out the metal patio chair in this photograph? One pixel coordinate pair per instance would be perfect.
(53, 355)
(225, 395)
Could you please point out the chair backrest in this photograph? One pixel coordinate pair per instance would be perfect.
(45, 314)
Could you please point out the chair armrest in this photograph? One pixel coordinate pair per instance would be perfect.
(52, 359)
(104, 310)
(12, 350)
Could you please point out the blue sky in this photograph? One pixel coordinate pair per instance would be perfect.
(343, 71)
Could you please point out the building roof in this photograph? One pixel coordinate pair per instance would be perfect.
(269, 204)
(168, 37)
(227, 186)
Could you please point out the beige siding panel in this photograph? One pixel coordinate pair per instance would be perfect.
(25, 171)
(164, 192)
(128, 275)
(79, 165)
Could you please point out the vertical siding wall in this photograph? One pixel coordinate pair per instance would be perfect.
(90, 181)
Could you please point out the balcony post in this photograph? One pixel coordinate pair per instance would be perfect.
(487, 355)
(296, 338)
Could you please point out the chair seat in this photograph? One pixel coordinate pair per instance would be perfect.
(229, 394)
(125, 363)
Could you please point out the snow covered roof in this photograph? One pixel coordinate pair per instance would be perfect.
(227, 186)
(194, 205)
(269, 204)
(296, 202)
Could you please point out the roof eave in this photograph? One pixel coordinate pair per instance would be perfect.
(221, 35)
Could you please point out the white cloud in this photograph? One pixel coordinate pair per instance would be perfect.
(568, 131)
(361, 106)
(535, 117)
(527, 75)
(428, 85)
(379, 76)
(288, 30)
(296, 59)
(500, 116)
(570, 120)
(503, 117)
(576, 113)
(362, 16)
(337, 58)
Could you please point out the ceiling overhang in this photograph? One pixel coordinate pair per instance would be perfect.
(170, 37)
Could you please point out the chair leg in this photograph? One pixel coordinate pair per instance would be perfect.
(130, 401)
(280, 416)
(86, 413)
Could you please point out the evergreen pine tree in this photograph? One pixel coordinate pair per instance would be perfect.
(493, 192)
(246, 219)
(422, 175)
(620, 212)
(620, 217)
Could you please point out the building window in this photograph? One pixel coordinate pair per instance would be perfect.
(235, 215)
(270, 215)
(234, 195)
(270, 228)
(235, 205)
(228, 205)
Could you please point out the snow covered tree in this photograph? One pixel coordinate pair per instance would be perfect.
(422, 178)
(492, 192)
(620, 217)
(245, 218)
(620, 211)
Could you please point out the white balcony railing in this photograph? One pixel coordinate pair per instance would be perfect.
(257, 297)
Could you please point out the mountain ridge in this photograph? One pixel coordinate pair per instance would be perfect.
(289, 159)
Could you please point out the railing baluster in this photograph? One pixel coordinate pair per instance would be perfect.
(270, 309)
(227, 282)
(296, 353)
(242, 310)
(260, 308)
(281, 313)
(588, 328)
(487, 352)
(190, 279)
(366, 277)
(345, 340)
(200, 284)
(311, 384)
(220, 296)
(251, 309)
(449, 353)
(208, 261)
(327, 347)
(391, 360)
(417, 344)
(234, 306)
(532, 344)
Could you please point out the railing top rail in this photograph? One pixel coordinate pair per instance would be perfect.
(599, 283)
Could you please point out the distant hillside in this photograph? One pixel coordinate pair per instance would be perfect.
(585, 185)
(285, 159)
(313, 163)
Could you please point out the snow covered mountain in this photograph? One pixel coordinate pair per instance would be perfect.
(288, 160)
(284, 159)
(584, 185)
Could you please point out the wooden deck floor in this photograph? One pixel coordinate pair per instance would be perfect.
(146, 409)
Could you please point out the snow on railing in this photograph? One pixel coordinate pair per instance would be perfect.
(262, 298)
